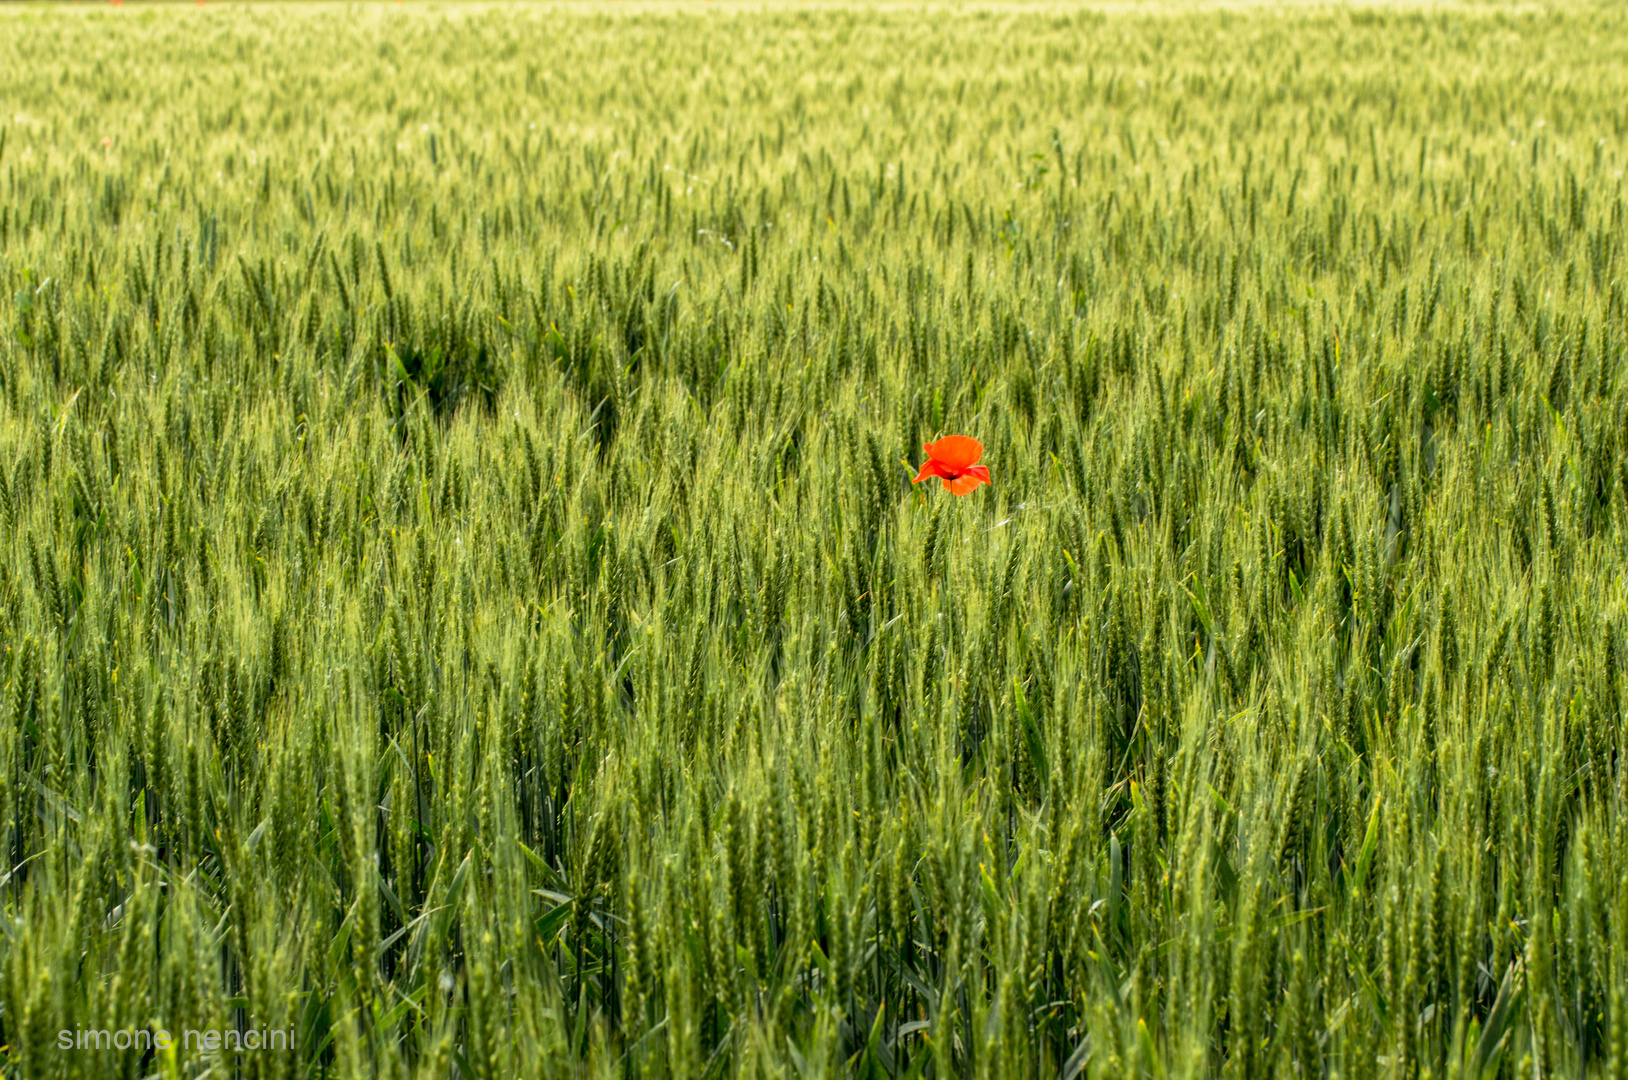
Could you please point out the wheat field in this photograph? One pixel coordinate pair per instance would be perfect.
(463, 600)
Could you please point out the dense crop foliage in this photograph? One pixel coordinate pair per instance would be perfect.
(462, 596)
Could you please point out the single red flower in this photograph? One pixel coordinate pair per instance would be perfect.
(954, 459)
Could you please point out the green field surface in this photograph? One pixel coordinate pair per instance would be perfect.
(463, 599)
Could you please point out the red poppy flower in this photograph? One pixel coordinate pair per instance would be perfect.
(954, 459)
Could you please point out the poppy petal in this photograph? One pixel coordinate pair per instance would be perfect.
(929, 469)
(964, 483)
(957, 451)
(981, 472)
